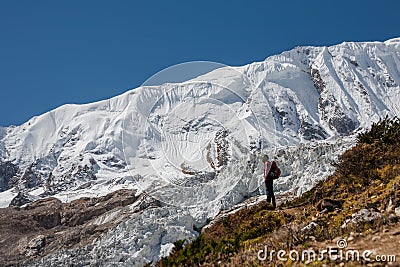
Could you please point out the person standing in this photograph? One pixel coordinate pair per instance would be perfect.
(271, 173)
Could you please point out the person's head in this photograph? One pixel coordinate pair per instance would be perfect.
(265, 158)
(274, 164)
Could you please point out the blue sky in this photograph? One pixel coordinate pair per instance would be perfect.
(57, 52)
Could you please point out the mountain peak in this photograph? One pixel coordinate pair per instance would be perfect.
(393, 40)
(196, 146)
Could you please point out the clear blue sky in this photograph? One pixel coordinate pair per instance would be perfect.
(57, 52)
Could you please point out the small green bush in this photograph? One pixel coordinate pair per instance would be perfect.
(386, 131)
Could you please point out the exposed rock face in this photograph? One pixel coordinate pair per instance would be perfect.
(343, 124)
(82, 210)
(365, 215)
(312, 132)
(317, 80)
(48, 225)
(7, 171)
(45, 212)
(21, 199)
(35, 245)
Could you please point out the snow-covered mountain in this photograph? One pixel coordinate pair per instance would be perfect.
(197, 145)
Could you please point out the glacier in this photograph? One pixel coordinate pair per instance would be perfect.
(197, 145)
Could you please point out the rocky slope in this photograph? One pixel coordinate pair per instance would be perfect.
(196, 146)
(48, 225)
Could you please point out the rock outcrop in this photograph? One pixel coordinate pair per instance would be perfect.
(48, 225)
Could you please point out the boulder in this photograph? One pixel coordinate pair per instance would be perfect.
(329, 204)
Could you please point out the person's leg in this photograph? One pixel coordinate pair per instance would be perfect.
(273, 199)
(269, 192)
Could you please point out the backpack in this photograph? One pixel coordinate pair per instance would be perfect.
(275, 174)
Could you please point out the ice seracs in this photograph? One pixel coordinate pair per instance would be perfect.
(196, 145)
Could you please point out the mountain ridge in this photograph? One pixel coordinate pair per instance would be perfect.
(196, 146)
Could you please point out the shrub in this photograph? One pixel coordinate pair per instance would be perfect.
(386, 131)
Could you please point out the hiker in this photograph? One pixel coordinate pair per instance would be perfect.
(271, 172)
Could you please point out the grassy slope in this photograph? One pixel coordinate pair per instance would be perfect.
(368, 176)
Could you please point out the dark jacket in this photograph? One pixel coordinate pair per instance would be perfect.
(273, 173)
